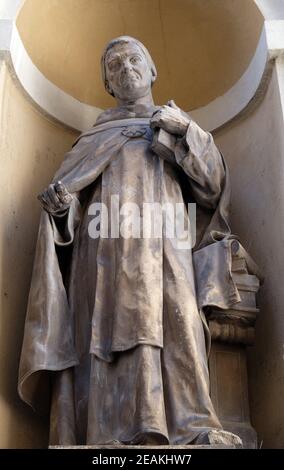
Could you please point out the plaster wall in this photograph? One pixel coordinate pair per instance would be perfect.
(254, 150)
(204, 46)
(31, 148)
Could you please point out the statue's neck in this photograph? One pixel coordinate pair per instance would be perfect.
(144, 100)
(127, 112)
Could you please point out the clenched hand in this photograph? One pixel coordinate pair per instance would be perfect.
(171, 119)
(55, 198)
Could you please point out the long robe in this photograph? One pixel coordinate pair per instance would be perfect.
(115, 327)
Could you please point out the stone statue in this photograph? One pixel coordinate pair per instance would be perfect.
(116, 339)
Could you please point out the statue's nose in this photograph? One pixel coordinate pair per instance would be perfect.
(127, 66)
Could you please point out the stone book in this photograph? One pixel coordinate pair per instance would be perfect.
(163, 145)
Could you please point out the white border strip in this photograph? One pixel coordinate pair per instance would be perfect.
(271, 9)
(48, 96)
(226, 107)
(10, 8)
(6, 29)
(275, 37)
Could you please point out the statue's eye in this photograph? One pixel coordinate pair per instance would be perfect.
(113, 65)
(135, 59)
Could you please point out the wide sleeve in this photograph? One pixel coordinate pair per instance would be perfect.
(48, 343)
(200, 159)
(65, 223)
(198, 156)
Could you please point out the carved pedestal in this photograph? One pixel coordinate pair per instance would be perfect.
(231, 332)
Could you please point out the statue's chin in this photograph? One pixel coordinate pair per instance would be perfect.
(132, 88)
(134, 91)
(132, 85)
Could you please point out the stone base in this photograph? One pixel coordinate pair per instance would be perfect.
(229, 390)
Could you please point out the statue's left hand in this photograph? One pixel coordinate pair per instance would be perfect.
(55, 199)
(171, 119)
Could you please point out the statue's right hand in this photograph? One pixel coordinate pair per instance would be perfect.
(55, 198)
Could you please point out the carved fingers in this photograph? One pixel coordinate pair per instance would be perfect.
(55, 198)
(172, 104)
(64, 196)
(170, 118)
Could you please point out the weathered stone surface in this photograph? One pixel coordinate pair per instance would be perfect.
(118, 321)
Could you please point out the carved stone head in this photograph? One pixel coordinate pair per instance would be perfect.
(128, 70)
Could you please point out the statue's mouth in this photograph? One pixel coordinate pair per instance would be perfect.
(130, 77)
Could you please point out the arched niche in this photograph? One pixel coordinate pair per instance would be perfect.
(210, 55)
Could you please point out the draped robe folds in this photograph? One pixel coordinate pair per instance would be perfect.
(115, 326)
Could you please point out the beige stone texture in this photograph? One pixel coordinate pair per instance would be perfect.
(31, 149)
(254, 150)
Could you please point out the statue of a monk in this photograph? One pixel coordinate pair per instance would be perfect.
(116, 340)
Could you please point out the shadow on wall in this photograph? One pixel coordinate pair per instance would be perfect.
(254, 150)
(31, 150)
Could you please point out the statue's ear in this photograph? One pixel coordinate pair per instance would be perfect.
(154, 75)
